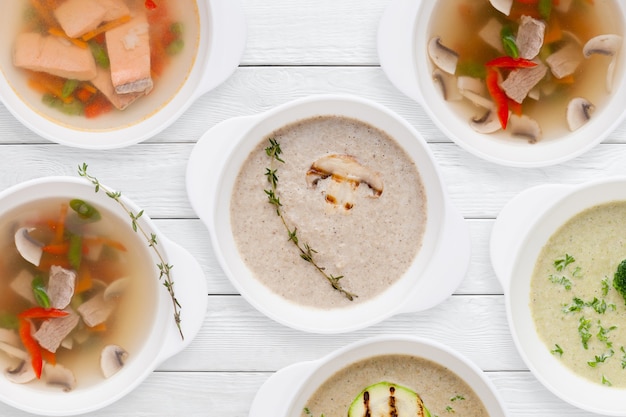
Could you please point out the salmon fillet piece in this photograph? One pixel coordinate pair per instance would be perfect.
(103, 83)
(53, 55)
(128, 46)
(78, 17)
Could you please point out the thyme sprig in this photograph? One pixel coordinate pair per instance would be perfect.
(307, 253)
(164, 268)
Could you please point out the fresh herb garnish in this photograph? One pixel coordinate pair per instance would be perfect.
(557, 350)
(606, 381)
(561, 263)
(584, 327)
(307, 253)
(600, 358)
(565, 282)
(164, 268)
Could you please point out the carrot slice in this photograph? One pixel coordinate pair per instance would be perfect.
(84, 281)
(103, 28)
(59, 33)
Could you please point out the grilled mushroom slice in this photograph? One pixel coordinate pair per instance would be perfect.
(29, 248)
(578, 112)
(22, 373)
(59, 375)
(443, 57)
(525, 127)
(112, 359)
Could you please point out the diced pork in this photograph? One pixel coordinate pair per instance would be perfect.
(61, 287)
(53, 55)
(22, 285)
(53, 331)
(128, 46)
(530, 37)
(565, 61)
(520, 81)
(96, 310)
(78, 17)
(103, 83)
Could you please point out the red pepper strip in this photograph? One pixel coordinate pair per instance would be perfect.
(31, 345)
(498, 96)
(42, 313)
(510, 62)
(150, 5)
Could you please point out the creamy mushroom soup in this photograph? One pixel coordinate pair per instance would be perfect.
(442, 391)
(355, 199)
(536, 69)
(578, 313)
(76, 294)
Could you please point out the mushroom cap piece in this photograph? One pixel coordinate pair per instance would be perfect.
(59, 375)
(503, 6)
(578, 112)
(22, 373)
(487, 123)
(443, 57)
(524, 126)
(607, 44)
(30, 249)
(112, 359)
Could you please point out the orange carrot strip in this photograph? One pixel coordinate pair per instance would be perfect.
(59, 33)
(48, 84)
(58, 249)
(48, 356)
(553, 31)
(60, 230)
(84, 281)
(107, 26)
(102, 327)
(104, 241)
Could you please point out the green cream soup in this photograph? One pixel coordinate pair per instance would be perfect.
(578, 313)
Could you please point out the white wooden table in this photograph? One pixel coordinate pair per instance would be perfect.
(296, 48)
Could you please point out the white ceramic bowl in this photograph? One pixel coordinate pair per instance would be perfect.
(213, 52)
(213, 167)
(521, 230)
(286, 392)
(402, 48)
(163, 340)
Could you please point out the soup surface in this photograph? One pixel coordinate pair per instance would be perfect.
(533, 100)
(99, 64)
(103, 290)
(577, 312)
(443, 392)
(364, 214)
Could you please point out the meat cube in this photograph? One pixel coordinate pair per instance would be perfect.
(530, 37)
(53, 55)
(565, 61)
(61, 286)
(103, 83)
(53, 331)
(128, 46)
(78, 17)
(520, 81)
(96, 310)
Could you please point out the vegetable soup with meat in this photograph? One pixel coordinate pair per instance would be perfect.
(533, 68)
(75, 297)
(82, 62)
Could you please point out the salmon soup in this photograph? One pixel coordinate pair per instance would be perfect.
(76, 294)
(440, 390)
(351, 205)
(98, 64)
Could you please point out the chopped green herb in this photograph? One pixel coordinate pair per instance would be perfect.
(576, 305)
(561, 263)
(449, 409)
(457, 398)
(557, 350)
(606, 381)
(508, 42)
(623, 357)
(565, 282)
(600, 358)
(603, 332)
(584, 327)
(605, 286)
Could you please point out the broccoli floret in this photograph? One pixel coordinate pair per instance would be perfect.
(619, 279)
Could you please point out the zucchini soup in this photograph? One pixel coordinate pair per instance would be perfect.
(411, 380)
(576, 294)
(328, 211)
